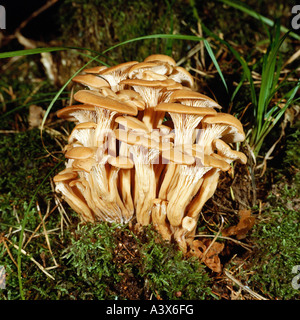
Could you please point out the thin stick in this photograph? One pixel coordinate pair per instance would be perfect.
(45, 231)
(252, 293)
(33, 260)
(38, 227)
(246, 246)
(213, 241)
(9, 253)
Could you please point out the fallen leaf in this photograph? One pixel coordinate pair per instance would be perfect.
(241, 229)
(36, 115)
(211, 257)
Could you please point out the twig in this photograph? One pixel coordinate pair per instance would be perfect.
(8, 251)
(251, 292)
(246, 246)
(38, 227)
(213, 241)
(45, 231)
(33, 260)
(35, 14)
(25, 22)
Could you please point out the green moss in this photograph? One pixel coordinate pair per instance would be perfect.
(277, 241)
(24, 164)
(158, 268)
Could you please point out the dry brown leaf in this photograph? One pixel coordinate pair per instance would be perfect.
(245, 224)
(211, 257)
(36, 115)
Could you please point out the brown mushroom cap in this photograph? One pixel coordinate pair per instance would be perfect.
(85, 125)
(65, 176)
(83, 164)
(183, 109)
(184, 94)
(161, 58)
(132, 123)
(235, 132)
(130, 94)
(225, 151)
(176, 156)
(141, 65)
(118, 68)
(215, 162)
(91, 81)
(95, 99)
(80, 153)
(65, 113)
(96, 70)
(188, 223)
(127, 136)
(121, 162)
(148, 83)
(182, 76)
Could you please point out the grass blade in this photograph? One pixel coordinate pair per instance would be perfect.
(212, 56)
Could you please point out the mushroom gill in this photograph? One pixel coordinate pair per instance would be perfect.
(125, 163)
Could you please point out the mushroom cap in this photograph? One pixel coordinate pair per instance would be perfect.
(132, 123)
(161, 58)
(183, 109)
(65, 113)
(83, 164)
(182, 76)
(225, 151)
(185, 94)
(141, 65)
(188, 223)
(121, 162)
(164, 128)
(91, 81)
(85, 125)
(138, 138)
(215, 162)
(131, 97)
(65, 176)
(129, 137)
(80, 153)
(96, 70)
(131, 94)
(235, 132)
(82, 125)
(118, 68)
(176, 156)
(148, 83)
(95, 99)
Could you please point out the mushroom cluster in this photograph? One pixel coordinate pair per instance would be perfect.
(146, 147)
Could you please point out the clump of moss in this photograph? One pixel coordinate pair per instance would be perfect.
(277, 241)
(116, 264)
(24, 164)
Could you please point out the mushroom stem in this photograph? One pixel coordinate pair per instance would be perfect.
(206, 191)
(75, 202)
(189, 177)
(159, 218)
(180, 234)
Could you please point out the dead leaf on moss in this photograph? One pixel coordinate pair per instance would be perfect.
(35, 117)
(211, 257)
(245, 224)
